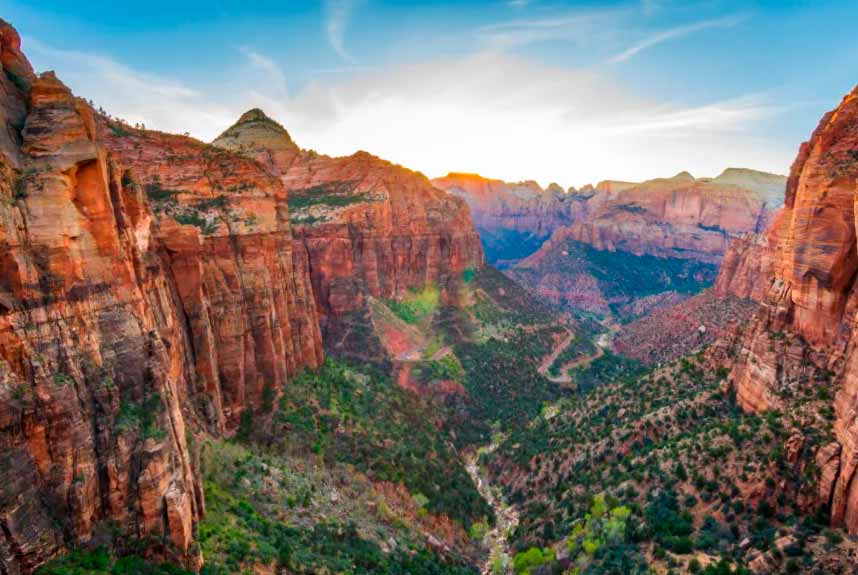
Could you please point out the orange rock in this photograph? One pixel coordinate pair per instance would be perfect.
(811, 293)
(366, 226)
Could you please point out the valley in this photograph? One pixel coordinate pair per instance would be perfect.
(245, 356)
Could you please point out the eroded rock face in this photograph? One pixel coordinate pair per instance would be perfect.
(93, 372)
(679, 217)
(811, 293)
(512, 213)
(367, 227)
(223, 222)
(148, 286)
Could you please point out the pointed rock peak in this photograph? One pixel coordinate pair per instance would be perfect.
(254, 115)
(255, 130)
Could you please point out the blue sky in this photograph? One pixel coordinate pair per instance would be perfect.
(571, 92)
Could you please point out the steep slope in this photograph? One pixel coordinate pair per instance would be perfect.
(803, 336)
(678, 217)
(148, 287)
(94, 377)
(368, 228)
(153, 301)
(513, 219)
(224, 224)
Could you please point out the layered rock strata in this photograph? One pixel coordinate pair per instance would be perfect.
(806, 321)
(148, 287)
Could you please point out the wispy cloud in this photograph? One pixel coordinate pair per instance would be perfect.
(578, 26)
(722, 116)
(678, 32)
(136, 96)
(269, 67)
(338, 13)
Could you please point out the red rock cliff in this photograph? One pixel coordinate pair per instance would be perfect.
(93, 371)
(811, 293)
(147, 285)
(500, 207)
(679, 217)
(369, 227)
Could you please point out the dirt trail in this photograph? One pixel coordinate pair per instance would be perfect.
(549, 361)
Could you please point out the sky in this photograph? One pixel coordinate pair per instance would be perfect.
(566, 92)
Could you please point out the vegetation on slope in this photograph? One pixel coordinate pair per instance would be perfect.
(617, 277)
(357, 416)
(269, 510)
(704, 482)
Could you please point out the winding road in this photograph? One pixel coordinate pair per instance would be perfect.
(603, 342)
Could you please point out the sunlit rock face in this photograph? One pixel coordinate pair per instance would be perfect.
(513, 219)
(148, 286)
(367, 227)
(808, 267)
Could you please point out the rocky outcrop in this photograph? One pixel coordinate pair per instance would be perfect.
(512, 218)
(746, 270)
(223, 222)
(367, 227)
(93, 377)
(678, 217)
(806, 320)
(148, 287)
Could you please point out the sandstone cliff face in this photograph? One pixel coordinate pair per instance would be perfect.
(223, 221)
(367, 227)
(506, 213)
(92, 369)
(147, 285)
(679, 228)
(811, 294)
(680, 217)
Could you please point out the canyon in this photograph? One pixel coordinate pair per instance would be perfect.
(246, 356)
(670, 234)
(152, 287)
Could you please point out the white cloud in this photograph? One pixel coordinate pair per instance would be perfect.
(274, 74)
(509, 117)
(338, 13)
(678, 32)
(491, 112)
(135, 96)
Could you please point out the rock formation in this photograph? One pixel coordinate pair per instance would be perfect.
(148, 286)
(367, 227)
(805, 323)
(512, 219)
(679, 217)
(94, 382)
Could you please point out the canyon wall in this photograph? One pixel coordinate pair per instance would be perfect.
(94, 378)
(682, 216)
(513, 219)
(678, 217)
(805, 324)
(148, 287)
(153, 287)
(367, 227)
